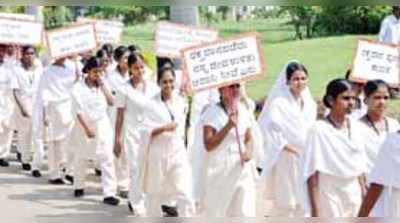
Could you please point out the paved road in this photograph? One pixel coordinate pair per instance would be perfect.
(24, 196)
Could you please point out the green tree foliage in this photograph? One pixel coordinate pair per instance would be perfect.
(128, 14)
(56, 16)
(313, 21)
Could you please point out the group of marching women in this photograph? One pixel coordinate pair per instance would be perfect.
(205, 158)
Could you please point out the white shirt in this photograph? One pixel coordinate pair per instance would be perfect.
(135, 101)
(56, 84)
(27, 82)
(390, 30)
(89, 102)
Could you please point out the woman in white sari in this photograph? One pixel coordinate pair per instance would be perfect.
(230, 189)
(383, 196)
(377, 124)
(290, 113)
(334, 160)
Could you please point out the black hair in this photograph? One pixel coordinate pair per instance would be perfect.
(373, 85)
(162, 71)
(108, 48)
(164, 62)
(26, 48)
(134, 48)
(91, 63)
(119, 52)
(335, 88)
(293, 67)
(101, 53)
(134, 58)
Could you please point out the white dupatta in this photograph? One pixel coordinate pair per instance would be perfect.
(282, 121)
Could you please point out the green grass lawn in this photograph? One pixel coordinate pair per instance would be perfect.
(325, 58)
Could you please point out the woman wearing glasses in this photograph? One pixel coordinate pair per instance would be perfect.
(335, 161)
(290, 113)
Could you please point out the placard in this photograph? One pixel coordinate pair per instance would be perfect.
(17, 16)
(223, 62)
(20, 32)
(171, 38)
(375, 60)
(71, 40)
(107, 31)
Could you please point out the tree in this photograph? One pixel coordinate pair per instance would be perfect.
(302, 18)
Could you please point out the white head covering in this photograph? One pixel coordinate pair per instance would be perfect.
(289, 125)
(280, 88)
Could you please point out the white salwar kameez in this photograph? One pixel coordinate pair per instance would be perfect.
(6, 110)
(385, 173)
(285, 121)
(374, 140)
(55, 91)
(230, 189)
(91, 104)
(168, 173)
(135, 102)
(339, 157)
(27, 84)
(115, 81)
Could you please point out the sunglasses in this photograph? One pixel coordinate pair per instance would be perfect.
(235, 86)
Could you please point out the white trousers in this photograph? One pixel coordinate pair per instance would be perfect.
(121, 163)
(56, 158)
(24, 143)
(135, 158)
(231, 188)
(339, 197)
(287, 186)
(5, 142)
(168, 175)
(102, 147)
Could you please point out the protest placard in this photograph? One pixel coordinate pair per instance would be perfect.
(20, 32)
(71, 40)
(374, 60)
(17, 16)
(107, 31)
(223, 62)
(171, 38)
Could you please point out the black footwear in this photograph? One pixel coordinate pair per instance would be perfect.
(111, 201)
(79, 193)
(4, 163)
(123, 194)
(57, 181)
(26, 166)
(36, 173)
(169, 211)
(97, 172)
(19, 157)
(130, 207)
(69, 178)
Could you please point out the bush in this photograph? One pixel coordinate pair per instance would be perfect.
(56, 16)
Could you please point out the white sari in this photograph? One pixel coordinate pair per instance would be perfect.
(284, 121)
(339, 157)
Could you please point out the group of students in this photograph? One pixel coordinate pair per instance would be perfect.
(155, 148)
